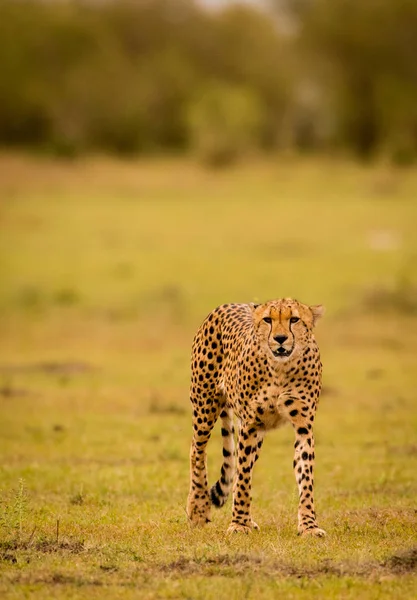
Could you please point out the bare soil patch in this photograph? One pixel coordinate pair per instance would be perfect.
(52, 368)
(227, 565)
(403, 562)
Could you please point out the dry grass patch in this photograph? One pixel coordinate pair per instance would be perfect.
(109, 268)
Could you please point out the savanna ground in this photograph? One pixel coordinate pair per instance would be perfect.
(107, 269)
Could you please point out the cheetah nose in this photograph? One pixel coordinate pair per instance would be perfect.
(280, 338)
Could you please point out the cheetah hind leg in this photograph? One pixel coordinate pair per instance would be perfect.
(198, 503)
(222, 488)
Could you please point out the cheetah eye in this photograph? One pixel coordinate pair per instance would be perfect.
(267, 319)
(294, 319)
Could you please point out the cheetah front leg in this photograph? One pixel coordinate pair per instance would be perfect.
(303, 470)
(249, 443)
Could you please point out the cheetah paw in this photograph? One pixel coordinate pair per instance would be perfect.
(314, 531)
(242, 528)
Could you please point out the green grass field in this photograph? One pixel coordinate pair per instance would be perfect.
(107, 270)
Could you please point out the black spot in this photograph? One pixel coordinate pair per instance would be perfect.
(304, 455)
(215, 500)
(219, 489)
(294, 412)
(226, 453)
(288, 402)
(302, 431)
(225, 432)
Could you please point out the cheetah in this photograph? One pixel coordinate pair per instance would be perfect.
(261, 363)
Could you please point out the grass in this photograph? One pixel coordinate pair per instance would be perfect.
(107, 270)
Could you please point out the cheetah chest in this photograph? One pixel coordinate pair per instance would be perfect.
(260, 404)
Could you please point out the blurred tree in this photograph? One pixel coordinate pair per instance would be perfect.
(23, 100)
(369, 49)
(224, 123)
(131, 76)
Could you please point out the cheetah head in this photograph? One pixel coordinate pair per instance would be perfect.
(285, 326)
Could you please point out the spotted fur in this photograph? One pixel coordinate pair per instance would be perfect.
(260, 363)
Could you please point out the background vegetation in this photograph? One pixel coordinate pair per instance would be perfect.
(109, 264)
(171, 76)
(107, 270)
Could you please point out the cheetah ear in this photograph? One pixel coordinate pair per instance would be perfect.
(317, 311)
(254, 307)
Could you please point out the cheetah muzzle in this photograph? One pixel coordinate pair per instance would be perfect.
(261, 365)
(281, 352)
